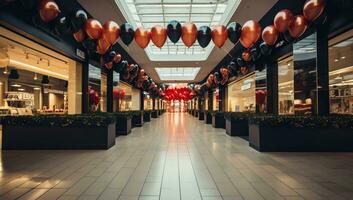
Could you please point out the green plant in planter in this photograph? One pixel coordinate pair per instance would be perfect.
(58, 120)
(304, 121)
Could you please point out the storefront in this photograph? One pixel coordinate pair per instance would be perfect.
(125, 97)
(241, 94)
(35, 79)
(341, 73)
(286, 85)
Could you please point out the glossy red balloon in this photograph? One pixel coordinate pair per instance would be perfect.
(158, 36)
(283, 20)
(189, 34)
(79, 35)
(298, 27)
(270, 35)
(48, 10)
(111, 32)
(93, 29)
(313, 9)
(142, 37)
(246, 56)
(219, 35)
(102, 46)
(250, 33)
(117, 58)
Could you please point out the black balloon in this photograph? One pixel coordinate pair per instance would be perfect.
(123, 67)
(174, 31)
(233, 68)
(109, 56)
(240, 62)
(78, 20)
(287, 37)
(255, 53)
(218, 76)
(89, 44)
(265, 49)
(127, 33)
(204, 36)
(62, 26)
(234, 31)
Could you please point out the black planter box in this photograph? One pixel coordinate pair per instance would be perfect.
(196, 113)
(236, 127)
(146, 116)
(154, 114)
(218, 121)
(201, 115)
(208, 118)
(17, 137)
(137, 120)
(287, 139)
(123, 125)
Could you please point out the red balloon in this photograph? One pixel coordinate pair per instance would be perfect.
(158, 36)
(313, 9)
(298, 27)
(142, 37)
(244, 70)
(117, 58)
(109, 65)
(283, 20)
(219, 35)
(48, 10)
(79, 35)
(270, 35)
(250, 33)
(93, 29)
(189, 34)
(102, 46)
(246, 56)
(111, 32)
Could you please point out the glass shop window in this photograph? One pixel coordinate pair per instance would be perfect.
(241, 95)
(286, 86)
(341, 73)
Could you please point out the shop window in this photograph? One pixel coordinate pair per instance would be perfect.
(95, 89)
(122, 94)
(241, 95)
(341, 73)
(261, 91)
(305, 90)
(216, 99)
(286, 86)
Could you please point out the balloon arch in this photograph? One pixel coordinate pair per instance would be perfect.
(101, 39)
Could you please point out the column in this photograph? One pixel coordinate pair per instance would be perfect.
(74, 90)
(85, 78)
(110, 90)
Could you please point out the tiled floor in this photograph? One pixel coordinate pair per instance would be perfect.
(176, 157)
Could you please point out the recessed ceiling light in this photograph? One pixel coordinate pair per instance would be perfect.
(343, 57)
(36, 88)
(336, 60)
(21, 89)
(16, 85)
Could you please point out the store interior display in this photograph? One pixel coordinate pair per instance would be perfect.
(241, 95)
(341, 74)
(286, 86)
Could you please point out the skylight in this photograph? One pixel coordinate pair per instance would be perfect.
(177, 73)
(149, 13)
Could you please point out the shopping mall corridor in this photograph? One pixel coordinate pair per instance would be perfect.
(175, 157)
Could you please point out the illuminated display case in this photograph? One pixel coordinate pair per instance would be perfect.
(241, 95)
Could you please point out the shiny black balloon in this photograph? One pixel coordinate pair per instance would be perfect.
(240, 62)
(255, 53)
(62, 26)
(234, 31)
(89, 44)
(233, 68)
(218, 76)
(127, 33)
(123, 67)
(78, 20)
(287, 37)
(265, 49)
(204, 36)
(174, 31)
(109, 56)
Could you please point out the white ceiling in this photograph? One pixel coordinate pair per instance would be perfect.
(247, 9)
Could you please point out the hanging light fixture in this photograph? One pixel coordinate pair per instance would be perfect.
(35, 76)
(45, 80)
(6, 71)
(14, 74)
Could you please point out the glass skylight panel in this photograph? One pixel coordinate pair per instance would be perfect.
(149, 13)
(177, 73)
